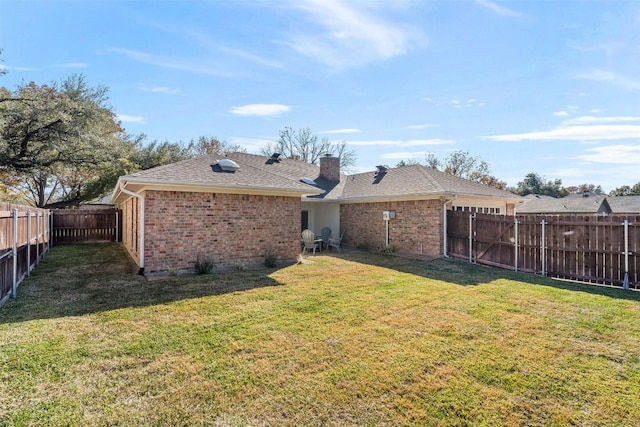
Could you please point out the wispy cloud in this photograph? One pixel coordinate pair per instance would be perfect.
(401, 143)
(401, 155)
(350, 34)
(159, 89)
(73, 65)
(499, 10)
(617, 154)
(124, 118)
(561, 113)
(610, 77)
(335, 131)
(585, 128)
(206, 66)
(419, 127)
(260, 110)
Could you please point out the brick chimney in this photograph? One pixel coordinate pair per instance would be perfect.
(330, 168)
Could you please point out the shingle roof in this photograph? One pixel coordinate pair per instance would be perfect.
(624, 204)
(415, 180)
(253, 173)
(261, 172)
(575, 203)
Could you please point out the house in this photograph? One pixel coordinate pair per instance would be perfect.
(579, 203)
(625, 204)
(241, 208)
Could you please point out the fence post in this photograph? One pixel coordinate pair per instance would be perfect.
(28, 242)
(119, 236)
(625, 282)
(14, 286)
(37, 237)
(543, 247)
(515, 235)
(471, 238)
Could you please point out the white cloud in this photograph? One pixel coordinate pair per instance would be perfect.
(205, 66)
(261, 110)
(585, 128)
(610, 77)
(73, 65)
(617, 154)
(124, 118)
(419, 127)
(500, 10)
(334, 131)
(561, 113)
(350, 34)
(159, 89)
(401, 155)
(401, 143)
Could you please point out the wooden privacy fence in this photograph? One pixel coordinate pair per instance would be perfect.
(592, 249)
(24, 239)
(73, 226)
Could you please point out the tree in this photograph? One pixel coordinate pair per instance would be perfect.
(585, 188)
(55, 137)
(304, 145)
(626, 190)
(536, 184)
(464, 165)
(209, 145)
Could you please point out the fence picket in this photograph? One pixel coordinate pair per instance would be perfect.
(576, 247)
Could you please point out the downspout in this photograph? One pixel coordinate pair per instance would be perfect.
(444, 223)
(141, 225)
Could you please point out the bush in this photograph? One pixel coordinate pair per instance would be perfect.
(270, 260)
(204, 265)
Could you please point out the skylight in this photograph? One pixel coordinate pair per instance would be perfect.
(228, 165)
(308, 181)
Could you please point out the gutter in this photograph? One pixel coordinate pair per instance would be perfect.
(140, 225)
(444, 225)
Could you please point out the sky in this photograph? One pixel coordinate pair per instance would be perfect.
(550, 87)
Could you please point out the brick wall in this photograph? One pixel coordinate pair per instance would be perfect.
(130, 219)
(229, 229)
(417, 226)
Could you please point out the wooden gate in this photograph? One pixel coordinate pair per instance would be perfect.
(73, 226)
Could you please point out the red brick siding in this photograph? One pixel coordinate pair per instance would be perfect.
(130, 218)
(229, 229)
(417, 227)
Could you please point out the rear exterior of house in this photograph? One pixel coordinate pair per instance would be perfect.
(175, 214)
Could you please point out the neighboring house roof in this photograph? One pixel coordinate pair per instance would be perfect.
(573, 203)
(264, 175)
(625, 204)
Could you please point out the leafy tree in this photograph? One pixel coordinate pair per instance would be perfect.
(209, 145)
(585, 188)
(408, 162)
(536, 184)
(304, 145)
(626, 190)
(55, 137)
(464, 165)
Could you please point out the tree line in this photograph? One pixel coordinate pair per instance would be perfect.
(62, 145)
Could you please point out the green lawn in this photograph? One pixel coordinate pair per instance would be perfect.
(356, 339)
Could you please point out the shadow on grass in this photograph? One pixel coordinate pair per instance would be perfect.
(463, 273)
(79, 280)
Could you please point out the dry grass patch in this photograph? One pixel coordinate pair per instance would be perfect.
(358, 339)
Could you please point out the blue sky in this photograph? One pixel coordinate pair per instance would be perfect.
(551, 87)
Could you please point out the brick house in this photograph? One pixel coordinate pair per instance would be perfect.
(238, 209)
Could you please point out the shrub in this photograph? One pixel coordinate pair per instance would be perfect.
(204, 265)
(270, 260)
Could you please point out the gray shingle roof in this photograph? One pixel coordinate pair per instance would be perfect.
(415, 180)
(625, 204)
(261, 172)
(575, 203)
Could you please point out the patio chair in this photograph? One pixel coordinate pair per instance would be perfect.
(309, 241)
(325, 234)
(333, 242)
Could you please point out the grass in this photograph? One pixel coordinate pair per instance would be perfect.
(355, 339)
